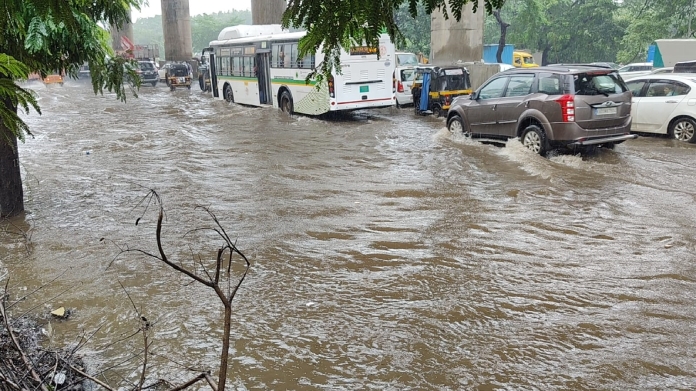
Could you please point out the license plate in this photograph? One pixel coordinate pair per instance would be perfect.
(605, 111)
(364, 88)
(181, 80)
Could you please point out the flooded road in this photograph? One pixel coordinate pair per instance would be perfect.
(385, 253)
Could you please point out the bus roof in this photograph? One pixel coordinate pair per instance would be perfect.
(267, 37)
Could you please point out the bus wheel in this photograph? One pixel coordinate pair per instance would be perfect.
(227, 93)
(286, 102)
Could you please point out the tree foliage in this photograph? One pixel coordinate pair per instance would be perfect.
(204, 28)
(333, 24)
(48, 36)
(591, 30)
(415, 30)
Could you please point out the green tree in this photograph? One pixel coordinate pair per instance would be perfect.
(206, 27)
(563, 30)
(648, 20)
(416, 31)
(335, 23)
(46, 36)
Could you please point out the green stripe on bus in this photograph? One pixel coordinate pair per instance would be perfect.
(238, 78)
(279, 80)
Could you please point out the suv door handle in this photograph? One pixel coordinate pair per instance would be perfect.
(494, 106)
(671, 101)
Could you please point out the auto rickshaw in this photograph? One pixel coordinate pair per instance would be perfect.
(434, 88)
(178, 75)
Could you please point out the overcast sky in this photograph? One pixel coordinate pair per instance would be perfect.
(195, 7)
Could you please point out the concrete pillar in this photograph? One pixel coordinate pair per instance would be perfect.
(267, 11)
(176, 25)
(452, 41)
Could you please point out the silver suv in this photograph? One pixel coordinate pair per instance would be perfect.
(548, 108)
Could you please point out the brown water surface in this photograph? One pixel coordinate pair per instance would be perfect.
(386, 253)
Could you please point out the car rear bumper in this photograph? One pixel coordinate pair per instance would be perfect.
(604, 140)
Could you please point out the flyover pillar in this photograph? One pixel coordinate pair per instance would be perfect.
(452, 41)
(176, 25)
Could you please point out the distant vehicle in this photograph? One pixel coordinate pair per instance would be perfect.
(668, 52)
(685, 66)
(434, 88)
(522, 59)
(83, 73)
(148, 72)
(162, 72)
(406, 59)
(661, 70)
(664, 104)
(403, 77)
(178, 75)
(264, 69)
(548, 108)
(635, 69)
(53, 79)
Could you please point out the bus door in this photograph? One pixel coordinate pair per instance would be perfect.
(212, 69)
(264, 77)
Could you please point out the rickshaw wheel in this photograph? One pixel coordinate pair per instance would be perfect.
(437, 111)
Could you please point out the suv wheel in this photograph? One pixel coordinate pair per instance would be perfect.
(534, 139)
(684, 129)
(456, 126)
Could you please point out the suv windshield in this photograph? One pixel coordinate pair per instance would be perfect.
(598, 84)
(147, 66)
(407, 59)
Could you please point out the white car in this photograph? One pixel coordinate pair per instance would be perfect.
(403, 78)
(636, 69)
(664, 104)
(162, 72)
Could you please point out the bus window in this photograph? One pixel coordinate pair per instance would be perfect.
(236, 66)
(288, 55)
(293, 58)
(275, 55)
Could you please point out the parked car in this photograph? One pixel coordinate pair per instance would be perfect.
(685, 67)
(148, 72)
(548, 108)
(162, 72)
(664, 104)
(403, 77)
(635, 69)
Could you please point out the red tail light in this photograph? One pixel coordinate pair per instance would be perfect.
(399, 86)
(567, 103)
(332, 91)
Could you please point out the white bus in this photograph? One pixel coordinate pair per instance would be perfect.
(259, 65)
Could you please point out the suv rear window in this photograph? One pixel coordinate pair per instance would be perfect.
(598, 84)
(146, 66)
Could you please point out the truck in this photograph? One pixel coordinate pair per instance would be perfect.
(667, 52)
(517, 58)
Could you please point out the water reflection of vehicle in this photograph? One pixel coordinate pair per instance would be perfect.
(178, 75)
(434, 88)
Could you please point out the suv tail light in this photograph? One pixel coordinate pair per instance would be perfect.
(332, 91)
(399, 86)
(567, 103)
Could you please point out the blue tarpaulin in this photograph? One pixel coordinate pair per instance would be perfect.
(425, 91)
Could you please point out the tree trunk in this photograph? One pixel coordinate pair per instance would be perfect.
(11, 194)
(545, 56)
(267, 11)
(503, 33)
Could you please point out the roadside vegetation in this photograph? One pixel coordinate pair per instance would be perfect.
(574, 31)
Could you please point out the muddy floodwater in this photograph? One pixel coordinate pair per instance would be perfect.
(386, 254)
